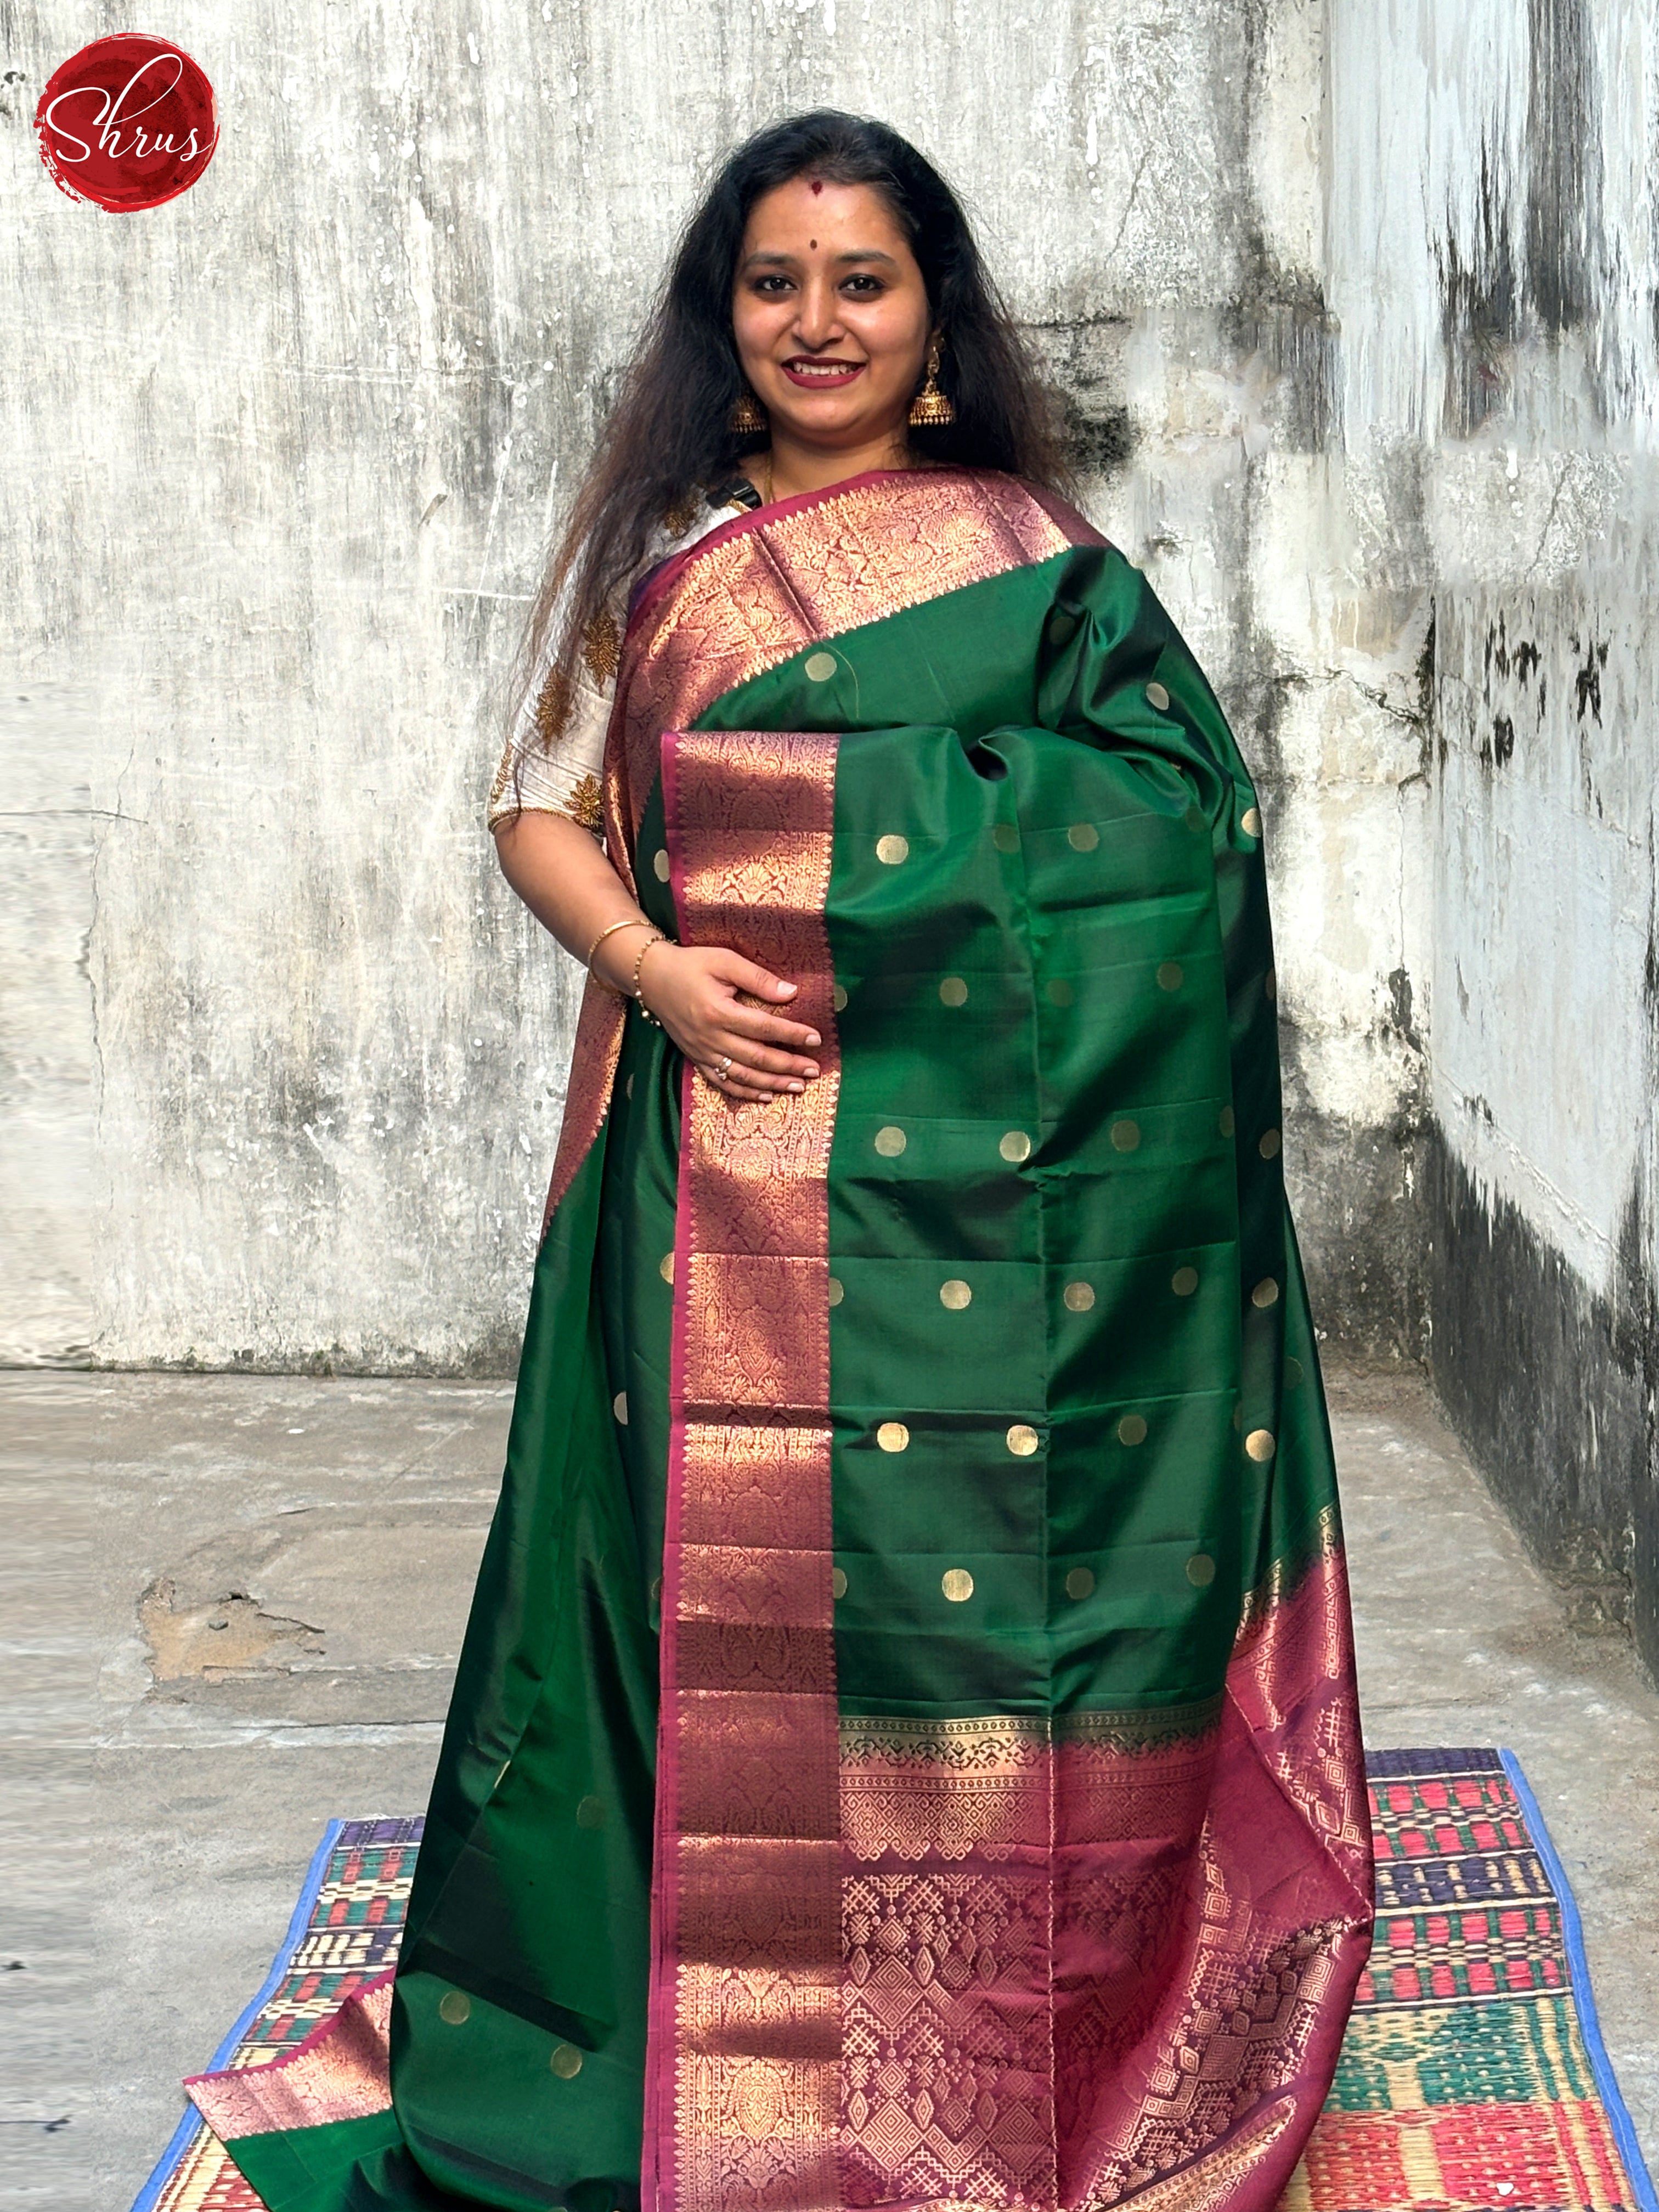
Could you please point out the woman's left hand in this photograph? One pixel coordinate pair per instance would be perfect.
(703, 996)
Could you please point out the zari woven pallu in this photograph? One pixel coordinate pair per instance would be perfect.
(905, 1751)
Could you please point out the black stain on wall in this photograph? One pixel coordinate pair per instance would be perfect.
(1588, 680)
(1479, 309)
(1564, 164)
(1551, 1387)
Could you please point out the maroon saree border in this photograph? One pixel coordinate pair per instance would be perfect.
(744, 2053)
(340, 2072)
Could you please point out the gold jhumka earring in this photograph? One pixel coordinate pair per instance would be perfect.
(931, 409)
(748, 416)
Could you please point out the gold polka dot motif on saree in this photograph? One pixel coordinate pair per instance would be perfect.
(1083, 836)
(1079, 1296)
(1058, 992)
(1006, 837)
(1131, 1429)
(819, 666)
(566, 2061)
(955, 1295)
(455, 2007)
(892, 851)
(953, 992)
(1015, 1147)
(661, 867)
(957, 1584)
(1080, 1583)
(837, 1582)
(1158, 698)
(891, 1141)
(893, 1437)
(1268, 1143)
(1023, 1440)
(1184, 1282)
(1126, 1136)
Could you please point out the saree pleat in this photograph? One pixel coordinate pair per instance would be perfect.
(905, 1751)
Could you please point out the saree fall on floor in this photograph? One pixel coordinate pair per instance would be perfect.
(905, 1749)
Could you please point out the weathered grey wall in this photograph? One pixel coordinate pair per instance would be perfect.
(1353, 310)
(1492, 259)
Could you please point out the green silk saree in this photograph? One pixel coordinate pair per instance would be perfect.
(905, 1750)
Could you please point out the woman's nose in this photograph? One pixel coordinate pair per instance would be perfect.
(818, 324)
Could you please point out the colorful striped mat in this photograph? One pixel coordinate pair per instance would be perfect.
(1473, 2077)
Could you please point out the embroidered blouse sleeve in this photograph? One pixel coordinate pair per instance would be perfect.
(554, 762)
(554, 756)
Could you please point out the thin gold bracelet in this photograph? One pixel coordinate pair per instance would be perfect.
(657, 938)
(633, 921)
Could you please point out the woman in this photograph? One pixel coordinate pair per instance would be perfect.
(905, 1748)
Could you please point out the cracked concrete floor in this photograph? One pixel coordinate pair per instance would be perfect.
(264, 1582)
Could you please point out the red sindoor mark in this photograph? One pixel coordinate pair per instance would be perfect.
(127, 122)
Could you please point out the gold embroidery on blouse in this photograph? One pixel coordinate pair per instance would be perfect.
(553, 707)
(583, 804)
(680, 517)
(602, 648)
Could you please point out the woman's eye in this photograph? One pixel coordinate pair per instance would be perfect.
(770, 286)
(864, 288)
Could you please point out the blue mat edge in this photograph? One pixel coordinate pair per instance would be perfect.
(1572, 1935)
(299, 1921)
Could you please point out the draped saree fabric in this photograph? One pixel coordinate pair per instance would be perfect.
(905, 1749)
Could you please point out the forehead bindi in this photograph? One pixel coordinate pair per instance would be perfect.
(810, 215)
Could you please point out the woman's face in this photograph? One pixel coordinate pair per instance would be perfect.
(831, 314)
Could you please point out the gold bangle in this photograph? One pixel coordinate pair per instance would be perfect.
(633, 921)
(656, 937)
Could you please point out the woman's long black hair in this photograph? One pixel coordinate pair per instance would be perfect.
(669, 439)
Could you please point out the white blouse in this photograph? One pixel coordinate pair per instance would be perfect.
(554, 754)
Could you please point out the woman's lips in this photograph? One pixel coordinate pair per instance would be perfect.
(821, 376)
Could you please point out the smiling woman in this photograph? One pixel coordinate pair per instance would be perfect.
(832, 320)
(905, 1752)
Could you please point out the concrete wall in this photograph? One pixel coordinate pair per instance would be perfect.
(1492, 258)
(1352, 309)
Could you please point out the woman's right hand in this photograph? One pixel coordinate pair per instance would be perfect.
(701, 994)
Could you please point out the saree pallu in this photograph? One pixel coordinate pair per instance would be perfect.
(905, 1750)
